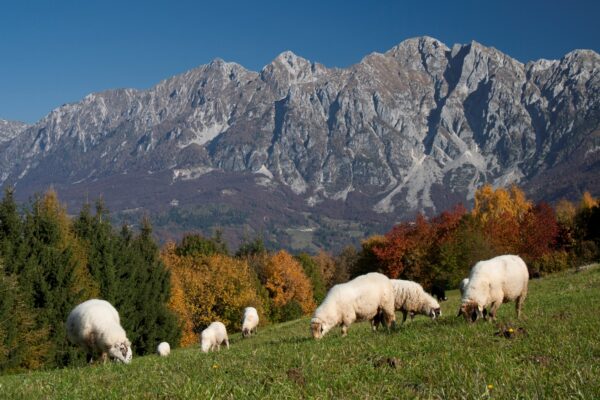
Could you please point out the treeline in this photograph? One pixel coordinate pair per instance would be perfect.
(50, 262)
(442, 249)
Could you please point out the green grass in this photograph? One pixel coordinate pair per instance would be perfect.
(559, 358)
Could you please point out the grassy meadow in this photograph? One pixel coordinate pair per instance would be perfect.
(553, 353)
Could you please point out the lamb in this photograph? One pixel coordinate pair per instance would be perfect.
(213, 336)
(362, 298)
(94, 325)
(163, 349)
(249, 322)
(493, 282)
(411, 298)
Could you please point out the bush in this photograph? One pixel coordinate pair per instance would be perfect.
(549, 263)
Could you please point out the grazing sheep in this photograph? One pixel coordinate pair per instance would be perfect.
(493, 282)
(163, 349)
(411, 298)
(359, 299)
(249, 322)
(213, 337)
(94, 325)
(462, 286)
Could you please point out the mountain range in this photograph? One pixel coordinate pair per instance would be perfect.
(315, 157)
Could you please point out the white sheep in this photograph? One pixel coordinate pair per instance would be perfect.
(163, 349)
(462, 286)
(493, 282)
(362, 298)
(213, 336)
(94, 325)
(411, 299)
(249, 321)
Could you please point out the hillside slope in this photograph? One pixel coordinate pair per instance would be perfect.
(558, 357)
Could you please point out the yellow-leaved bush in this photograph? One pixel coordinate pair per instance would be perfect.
(211, 288)
(286, 282)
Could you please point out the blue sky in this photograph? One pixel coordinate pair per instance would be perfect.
(55, 52)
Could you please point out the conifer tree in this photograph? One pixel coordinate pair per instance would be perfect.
(143, 291)
(11, 231)
(100, 241)
(22, 345)
(54, 274)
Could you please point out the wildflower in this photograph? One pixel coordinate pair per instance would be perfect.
(510, 330)
(490, 386)
(215, 366)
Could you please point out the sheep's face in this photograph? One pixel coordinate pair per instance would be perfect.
(470, 311)
(317, 328)
(245, 332)
(121, 352)
(205, 345)
(435, 312)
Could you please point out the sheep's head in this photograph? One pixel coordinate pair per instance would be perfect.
(121, 352)
(471, 311)
(435, 312)
(245, 332)
(317, 328)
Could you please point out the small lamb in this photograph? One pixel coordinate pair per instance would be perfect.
(493, 282)
(213, 336)
(362, 298)
(249, 322)
(94, 325)
(163, 349)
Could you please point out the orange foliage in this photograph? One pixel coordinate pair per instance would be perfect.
(209, 288)
(327, 265)
(499, 203)
(286, 281)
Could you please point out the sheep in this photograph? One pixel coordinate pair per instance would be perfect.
(359, 299)
(249, 322)
(94, 325)
(213, 336)
(462, 286)
(411, 298)
(493, 282)
(163, 349)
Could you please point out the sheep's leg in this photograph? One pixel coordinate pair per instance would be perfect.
(374, 324)
(404, 315)
(89, 357)
(227, 343)
(519, 304)
(104, 357)
(344, 330)
(493, 310)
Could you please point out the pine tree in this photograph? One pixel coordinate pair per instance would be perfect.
(22, 345)
(54, 274)
(143, 291)
(100, 241)
(11, 231)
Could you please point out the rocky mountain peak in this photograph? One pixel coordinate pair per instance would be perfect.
(417, 128)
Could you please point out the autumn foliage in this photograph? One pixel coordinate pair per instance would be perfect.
(286, 282)
(208, 288)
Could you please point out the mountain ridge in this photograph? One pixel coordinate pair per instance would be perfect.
(414, 129)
